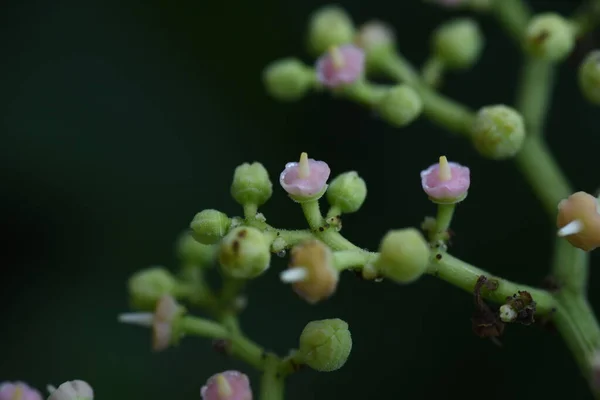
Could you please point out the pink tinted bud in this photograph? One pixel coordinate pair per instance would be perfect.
(162, 331)
(228, 385)
(340, 66)
(18, 391)
(446, 182)
(306, 179)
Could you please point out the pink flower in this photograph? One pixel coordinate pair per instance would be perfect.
(228, 385)
(166, 311)
(340, 66)
(18, 391)
(306, 178)
(446, 182)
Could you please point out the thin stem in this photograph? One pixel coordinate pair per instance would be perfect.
(364, 93)
(250, 210)
(433, 71)
(346, 259)
(534, 94)
(203, 327)
(569, 267)
(543, 174)
(513, 15)
(333, 211)
(272, 383)
(442, 222)
(464, 276)
(291, 237)
(312, 213)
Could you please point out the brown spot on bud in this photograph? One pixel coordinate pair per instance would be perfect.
(322, 277)
(583, 207)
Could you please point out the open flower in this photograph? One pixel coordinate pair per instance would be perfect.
(73, 390)
(228, 385)
(306, 179)
(578, 221)
(446, 182)
(18, 391)
(161, 321)
(340, 66)
(311, 271)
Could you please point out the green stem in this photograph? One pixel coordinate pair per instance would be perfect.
(569, 267)
(432, 71)
(465, 276)
(442, 222)
(250, 210)
(291, 237)
(312, 213)
(334, 211)
(534, 94)
(272, 383)
(365, 93)
(241, 347)
(195, 289)
(346, 259)
(513, 15)
(543, 174)
(438, 108)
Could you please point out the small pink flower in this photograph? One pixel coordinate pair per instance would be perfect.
(446, 182)
(166, 311)
(340, 66)
(18, 391)
(306, 178)
(228, 385)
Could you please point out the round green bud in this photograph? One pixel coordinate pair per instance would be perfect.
(589, 77)
(403, 255)
(146, 287)
(549, 36)
(329, 26)
(400, 105)
(190, 251)
(377, 39)
(244, 253)
(251, 184)
(498, 132)
(458, 43)
(347, 191)
(209, 226)
(325, 345)
(288, 79)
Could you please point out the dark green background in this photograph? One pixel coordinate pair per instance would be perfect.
(120, 121)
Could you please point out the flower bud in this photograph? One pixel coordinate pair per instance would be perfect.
(589, 77)
(228, 385)
(458, 43)
(325, 345)
(244, 253)
(347, 192)
(549, 36)
(146, 287)
(400, 105)
(578, 221)
(209, 226)
(376, 39)
(498, 132)
(251, 184)
(288, 79)
(190, 251)
(18, 391)
(404, 255)
(340, 66)
(329, 26)
(305, 180)
(73, 390)
(311, 271)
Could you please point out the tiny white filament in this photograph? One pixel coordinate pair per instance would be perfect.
(141, 319)
(296, 274)
(571, 228)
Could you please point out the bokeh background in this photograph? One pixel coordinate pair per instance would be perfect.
(121, 120)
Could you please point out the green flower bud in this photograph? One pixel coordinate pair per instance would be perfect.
(589, 77)
(403, 255)
(325, 345)
(549, 36)
(347, 192)
(377, 39)
(244, 253)
(251, 184)
(498, 132)
(329, 26)
(209, 226)
(146, 287)
(288, 79)
(458, 43)
(190, 251)
(400, 105)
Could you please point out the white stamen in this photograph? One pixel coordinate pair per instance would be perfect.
(445, 173)
(141, 319)
(223, 387)
(296, 274)
(571, 228)
(303, 167)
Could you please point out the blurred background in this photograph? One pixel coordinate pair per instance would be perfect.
(120, 120)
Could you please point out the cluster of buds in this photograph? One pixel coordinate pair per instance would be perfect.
(70, 390)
